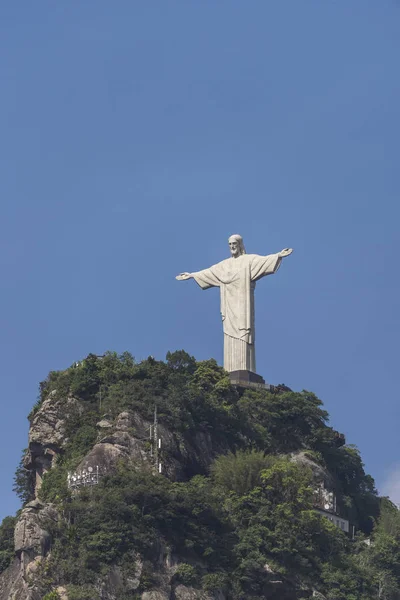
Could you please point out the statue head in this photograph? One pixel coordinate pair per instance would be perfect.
(236, 245)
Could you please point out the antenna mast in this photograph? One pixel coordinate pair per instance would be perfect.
(156, 443)
(155, 433)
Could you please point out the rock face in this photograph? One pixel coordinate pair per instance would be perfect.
(112, 448)
(31, 537)
(13, 585)
(47, 434)
(126, 437)
(32, 542)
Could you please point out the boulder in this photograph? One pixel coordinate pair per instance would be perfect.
(104, 424)
(113, 447)
(62, 592)
(124, 421)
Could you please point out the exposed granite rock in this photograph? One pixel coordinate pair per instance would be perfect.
(156, 595)
(181, 456)
(62, 592)
(47, 434)
(48, 424)
(129, 440)
(133, 581)
(126, 437)
(112, 448)
(115, 583)
(268, 569)
(104, 424)
(32, 542)
(123, 421)
(112, 585)
(182, 592)
(31, 538)
(14, 585)
(32, 568)
(11, 583)
(319, 473)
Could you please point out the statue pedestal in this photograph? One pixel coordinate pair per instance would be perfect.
(248, 379)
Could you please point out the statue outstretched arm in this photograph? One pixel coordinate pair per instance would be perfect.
(267, 265)
(285, 252)
(183, 276)
(205, 278)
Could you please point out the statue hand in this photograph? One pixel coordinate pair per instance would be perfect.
(285, 252)
(183, 276)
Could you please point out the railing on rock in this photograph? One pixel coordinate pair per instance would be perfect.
(324, 499)
(86, 477)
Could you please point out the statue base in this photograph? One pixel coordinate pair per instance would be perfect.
(248, 379)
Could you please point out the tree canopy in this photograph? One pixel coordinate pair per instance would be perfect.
(239, 525)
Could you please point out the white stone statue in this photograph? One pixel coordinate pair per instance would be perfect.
(236, 277)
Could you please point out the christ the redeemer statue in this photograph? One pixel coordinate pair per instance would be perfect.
(236, 277)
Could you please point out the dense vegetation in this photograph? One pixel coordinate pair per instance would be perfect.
(237, 527)
(6, 542)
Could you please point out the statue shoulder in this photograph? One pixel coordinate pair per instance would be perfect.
(223, 263)
(251, 257)
(255, 256)
(219, 265)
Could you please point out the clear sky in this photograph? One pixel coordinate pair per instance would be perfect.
(137, 136)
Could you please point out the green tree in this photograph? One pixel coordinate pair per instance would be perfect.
(382, 557)
(24, 484)
(240, 472)
(6, 542)
(181, 361)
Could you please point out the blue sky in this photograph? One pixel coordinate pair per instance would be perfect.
(137, 136)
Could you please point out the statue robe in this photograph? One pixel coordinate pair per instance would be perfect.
(236, 278)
